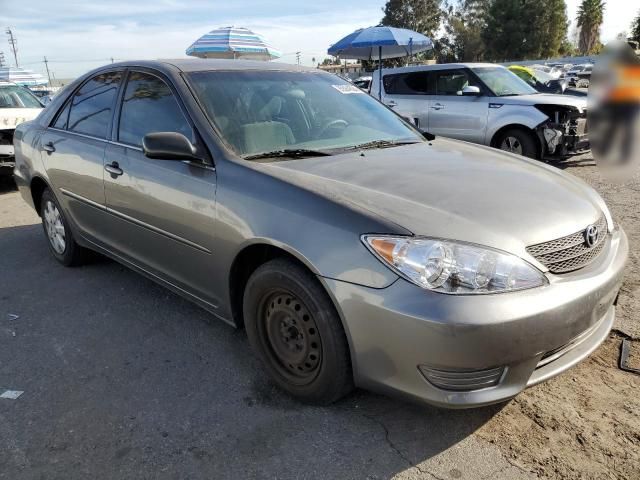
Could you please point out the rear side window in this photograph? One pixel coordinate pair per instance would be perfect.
(149, 106)
(63, 116)
(92, 105)
(413, 83)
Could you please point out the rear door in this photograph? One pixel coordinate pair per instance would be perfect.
(161, 212)
(456, 116)
(408, 94)
(73, 148)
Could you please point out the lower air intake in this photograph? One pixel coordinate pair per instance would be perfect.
(462, 380)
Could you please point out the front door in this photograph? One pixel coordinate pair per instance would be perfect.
(73, 150)
(456, 116)
(161, 212)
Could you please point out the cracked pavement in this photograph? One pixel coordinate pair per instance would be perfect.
(123, 379)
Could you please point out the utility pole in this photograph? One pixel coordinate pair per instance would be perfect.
(298, 58)
(111, 59)
(13, 43)
(46, 64)
(1, 59)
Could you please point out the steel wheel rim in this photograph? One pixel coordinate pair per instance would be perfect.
(511, 144)
(290, 334)
(54, 227)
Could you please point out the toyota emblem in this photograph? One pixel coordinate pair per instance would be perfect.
(591, 235)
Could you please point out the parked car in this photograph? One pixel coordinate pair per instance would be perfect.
(354, 249)
(583, 78)
(545, 83)
(17, 105)
(489, 105)
(363, 82)
(572, 74)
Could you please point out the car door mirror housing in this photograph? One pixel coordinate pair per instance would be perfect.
(470, 91)
(169, 146)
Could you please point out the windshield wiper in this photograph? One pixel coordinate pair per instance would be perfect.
(288, 153)
(380, 144)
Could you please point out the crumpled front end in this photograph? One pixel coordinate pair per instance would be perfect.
(565, 133)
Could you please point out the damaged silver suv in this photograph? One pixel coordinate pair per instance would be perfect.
(487, 104)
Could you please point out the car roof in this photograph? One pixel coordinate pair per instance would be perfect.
(211, 64)
(437, 66)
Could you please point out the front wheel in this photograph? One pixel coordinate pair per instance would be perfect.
(519, 142)
(296, 333)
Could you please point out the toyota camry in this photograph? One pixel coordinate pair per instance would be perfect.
(353, 248)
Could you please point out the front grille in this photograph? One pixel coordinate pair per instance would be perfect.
(462, 380)
(571, 252)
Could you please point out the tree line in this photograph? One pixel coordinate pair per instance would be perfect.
(502, 30)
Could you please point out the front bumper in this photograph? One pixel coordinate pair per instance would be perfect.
(531, 335)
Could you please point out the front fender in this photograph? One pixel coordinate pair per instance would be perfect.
(502, 115)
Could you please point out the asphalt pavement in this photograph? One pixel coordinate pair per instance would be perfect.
(122, 379)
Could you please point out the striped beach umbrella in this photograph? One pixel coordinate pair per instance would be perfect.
(233, 42)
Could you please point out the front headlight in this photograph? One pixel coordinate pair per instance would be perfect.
(453, 267)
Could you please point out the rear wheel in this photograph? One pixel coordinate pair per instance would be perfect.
(61, 242)
(296, 333)
(519, 142)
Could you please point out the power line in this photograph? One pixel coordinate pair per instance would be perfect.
(13, 43)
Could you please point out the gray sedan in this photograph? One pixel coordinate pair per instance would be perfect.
(354, 249)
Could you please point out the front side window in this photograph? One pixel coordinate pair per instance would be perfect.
(502, 82)
(92, 105)
(265, 111)
(13, 96)
(149, 106)
(452, 82)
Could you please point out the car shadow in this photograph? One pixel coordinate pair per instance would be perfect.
(121, 375)
(569, 163)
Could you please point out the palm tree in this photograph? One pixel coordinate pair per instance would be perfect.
(590, 17)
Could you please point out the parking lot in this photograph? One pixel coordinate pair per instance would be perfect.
(123, 379)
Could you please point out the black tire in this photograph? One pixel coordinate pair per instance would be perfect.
(296, 333)
(526, 142)
(72, 254)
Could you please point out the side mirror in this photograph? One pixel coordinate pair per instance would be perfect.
(168, 146)
(470, 91)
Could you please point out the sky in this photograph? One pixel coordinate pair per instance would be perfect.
(78, 35)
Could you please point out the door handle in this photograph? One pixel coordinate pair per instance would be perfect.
(391, 103)
(437, 106)
(49, 147)
(114, 169)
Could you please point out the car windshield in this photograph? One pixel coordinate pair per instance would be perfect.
(259, 112)
(503, 82)
(13, 96)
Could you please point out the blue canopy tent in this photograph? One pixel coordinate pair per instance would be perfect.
(381, 42)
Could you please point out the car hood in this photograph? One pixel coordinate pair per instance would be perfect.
(544, 99)
(455, 190)
(10, 118)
